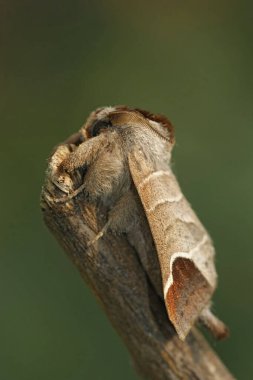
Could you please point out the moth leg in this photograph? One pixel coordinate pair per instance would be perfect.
(84, 154)
(213, 324)
(99, 235)
(121, 217)
(81, 157)
(71, 195)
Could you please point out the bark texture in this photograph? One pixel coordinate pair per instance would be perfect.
(113, 270)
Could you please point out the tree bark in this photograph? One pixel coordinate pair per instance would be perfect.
(113, 270)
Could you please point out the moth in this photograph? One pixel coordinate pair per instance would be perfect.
(125, 156)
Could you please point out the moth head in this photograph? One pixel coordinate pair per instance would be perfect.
(121, 116)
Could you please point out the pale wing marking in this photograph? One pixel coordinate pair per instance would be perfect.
(186, 255)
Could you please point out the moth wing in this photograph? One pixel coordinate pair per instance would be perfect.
(183, 246)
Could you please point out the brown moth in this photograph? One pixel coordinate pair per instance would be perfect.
(126, 154)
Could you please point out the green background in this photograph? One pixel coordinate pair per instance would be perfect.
(191, 60)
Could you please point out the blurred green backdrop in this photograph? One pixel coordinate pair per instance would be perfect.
(191, 60)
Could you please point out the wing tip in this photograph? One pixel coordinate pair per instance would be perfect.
(187, 296)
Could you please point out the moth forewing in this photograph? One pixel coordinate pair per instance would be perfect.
(183, 246)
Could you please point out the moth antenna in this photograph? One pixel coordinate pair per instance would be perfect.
(160, 119)
(139, 117)
(159, 134)
(214, 324)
